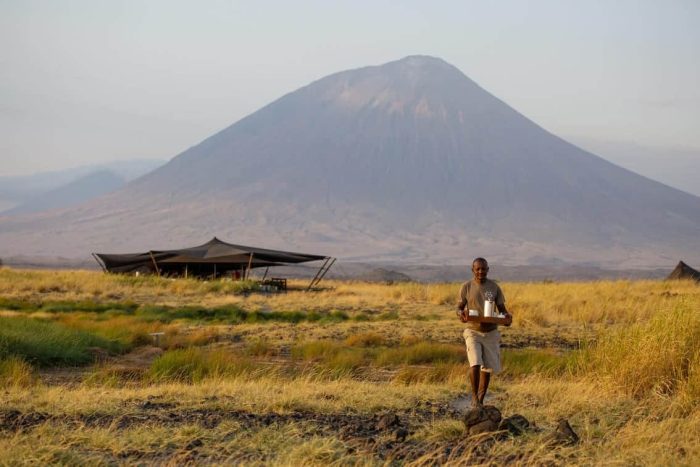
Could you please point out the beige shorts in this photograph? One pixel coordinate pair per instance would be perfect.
(484, 348)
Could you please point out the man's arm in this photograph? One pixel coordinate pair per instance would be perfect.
(462, 304)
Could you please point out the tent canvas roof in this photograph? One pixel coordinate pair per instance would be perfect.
(214, 251)
(683, 271)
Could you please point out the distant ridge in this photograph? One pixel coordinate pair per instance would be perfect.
(410, 161)
(72, 194)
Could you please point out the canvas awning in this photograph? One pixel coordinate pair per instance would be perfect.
(214, 256)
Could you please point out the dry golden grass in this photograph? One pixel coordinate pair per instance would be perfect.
(632, 393)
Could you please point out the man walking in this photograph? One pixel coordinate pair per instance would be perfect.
(482, 339)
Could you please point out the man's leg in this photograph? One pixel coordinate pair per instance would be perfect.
(475, 375)
(484, 380)
(492, 361)
(474, 355)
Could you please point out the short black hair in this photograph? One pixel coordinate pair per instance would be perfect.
(480, 260)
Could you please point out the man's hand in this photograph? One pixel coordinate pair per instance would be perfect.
(509, 319)
(462, 315)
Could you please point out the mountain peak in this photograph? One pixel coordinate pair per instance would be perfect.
(407, 160)
(421, 61)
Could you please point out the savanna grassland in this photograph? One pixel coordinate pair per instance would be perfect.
(354, 373)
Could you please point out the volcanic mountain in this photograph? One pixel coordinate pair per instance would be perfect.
(407, 161)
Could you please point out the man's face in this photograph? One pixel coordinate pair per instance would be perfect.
(480, 269)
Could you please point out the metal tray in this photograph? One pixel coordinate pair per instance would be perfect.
(485, 319)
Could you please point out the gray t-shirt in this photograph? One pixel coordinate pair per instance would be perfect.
(472, 296)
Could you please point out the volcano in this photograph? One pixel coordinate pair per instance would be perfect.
(407, 161)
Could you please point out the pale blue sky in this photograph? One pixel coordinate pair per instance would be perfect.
(89, 81)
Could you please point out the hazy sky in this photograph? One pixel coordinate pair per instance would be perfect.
(96, 80)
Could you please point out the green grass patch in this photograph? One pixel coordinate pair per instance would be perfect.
(46, 343)
(67, 306)
(194, 365)
(229, 314)
(421, 353)
(523, 362)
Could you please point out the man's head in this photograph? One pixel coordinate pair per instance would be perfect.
(480, 269)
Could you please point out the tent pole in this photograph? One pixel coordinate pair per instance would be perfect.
(250, 263)
(265, 275)
(185, 270)
(214, 278)
(318, 281)
(311, 284)
(154, 263)
(98, 262)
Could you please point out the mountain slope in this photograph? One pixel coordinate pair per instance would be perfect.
(410, 161)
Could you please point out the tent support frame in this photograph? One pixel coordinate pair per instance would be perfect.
(104, 269)
(155, 264)
(321, 272)
(250, 263)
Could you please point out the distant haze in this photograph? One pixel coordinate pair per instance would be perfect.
(85, 82)
(676, 167)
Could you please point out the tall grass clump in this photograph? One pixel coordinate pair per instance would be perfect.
(194, 365)
(365, 339)
(15, 372)
(316, 350)
(660, 356)
(46, 343)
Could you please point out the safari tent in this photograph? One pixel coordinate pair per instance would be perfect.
(215, 258)
(683, 271)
